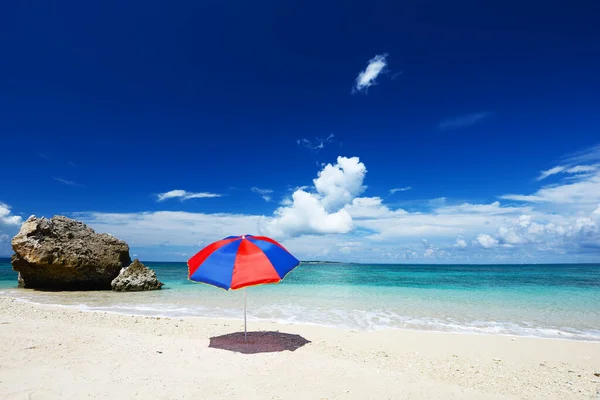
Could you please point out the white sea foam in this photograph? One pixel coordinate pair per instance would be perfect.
(351, 318)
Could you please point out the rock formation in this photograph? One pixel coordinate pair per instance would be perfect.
(135, 278)
(64, 254)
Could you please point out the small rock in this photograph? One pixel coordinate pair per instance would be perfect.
(159, 352)
(597, 373)
(497, 359)
(136, 277)
(569, 383)
(513, 339)
(571, 371)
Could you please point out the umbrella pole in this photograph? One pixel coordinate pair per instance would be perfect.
(245, 331)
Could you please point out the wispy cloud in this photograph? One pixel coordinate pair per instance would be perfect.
(552, 171)
(45, 157)
(67, 182)
(583, 190)
(184, 195)
(368, 77)
(463, 121)
(586, 156)
(577, 169)
(266, 194)
(579, 190)
(402, 189)
(316, 144)
(72, 164)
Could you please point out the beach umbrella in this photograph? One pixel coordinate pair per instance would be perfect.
(237, 262)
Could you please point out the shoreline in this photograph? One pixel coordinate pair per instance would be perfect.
(83, 307)
(103, 354)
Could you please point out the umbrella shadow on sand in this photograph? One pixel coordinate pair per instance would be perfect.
(258, 342)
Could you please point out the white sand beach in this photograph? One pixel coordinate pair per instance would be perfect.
(50, 352)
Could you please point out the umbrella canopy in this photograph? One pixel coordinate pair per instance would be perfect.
(240, 261)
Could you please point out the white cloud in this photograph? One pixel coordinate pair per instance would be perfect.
(464, 121)
(322, 212)
(9, 226)
(266, 194)
(339, 184)
(582, 169)
(177, 228)
(490, 209)
(586, 156)
(6, 219)
(402, 189)
(67, 182)
(583, 190)
(370, 208)
(486, 241)
(368, 77)
(317, 144)
(184, 195)
(552, 171)
(306, 215)
(329, 220)
(460, 243)
(577, 169)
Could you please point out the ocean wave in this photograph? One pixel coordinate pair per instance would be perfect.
(297, 313)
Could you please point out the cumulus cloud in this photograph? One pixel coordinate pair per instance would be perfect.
(266, 194)
(9, 226)
(460, 243)
(486, 241)
(307, 215)
(184, 195)
(463, 121)
(368, 77)
(402, 189)
(547, 232)
(316, 144)
(321, 212)
(340, 183)
(6, 219)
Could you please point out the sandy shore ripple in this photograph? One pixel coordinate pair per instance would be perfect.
(57, 353)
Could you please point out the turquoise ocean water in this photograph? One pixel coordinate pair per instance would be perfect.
(555, 301)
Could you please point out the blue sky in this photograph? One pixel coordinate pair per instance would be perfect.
(172, 125)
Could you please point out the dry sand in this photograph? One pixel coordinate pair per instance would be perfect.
(57, 353)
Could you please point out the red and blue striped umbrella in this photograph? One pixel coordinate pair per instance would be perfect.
(240, 261)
